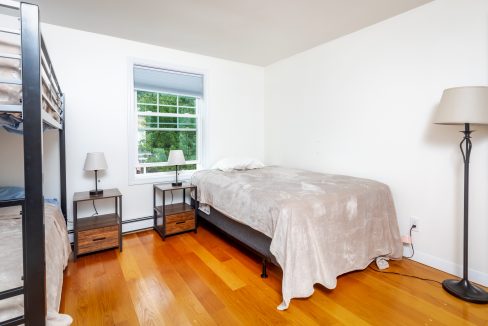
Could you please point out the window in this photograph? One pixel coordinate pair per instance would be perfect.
(166, 117)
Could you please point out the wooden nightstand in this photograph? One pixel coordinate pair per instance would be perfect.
(171, 219)
(98, 232)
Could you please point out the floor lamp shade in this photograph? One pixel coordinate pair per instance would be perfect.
(464, 106)
(95, 162)
(176, 157)
(461, 105)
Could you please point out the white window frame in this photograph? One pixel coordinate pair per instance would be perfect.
(160, 177)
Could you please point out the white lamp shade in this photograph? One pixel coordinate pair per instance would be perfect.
(176, 157)
(95, 161)
(462, 105)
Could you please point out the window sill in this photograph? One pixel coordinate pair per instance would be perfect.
(165, 177)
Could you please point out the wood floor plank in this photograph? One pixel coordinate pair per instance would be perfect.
(140, 289)
(164, 285)
(442, 305)
(235, 311)
(231, 279)
(205, 279)
(168, 274)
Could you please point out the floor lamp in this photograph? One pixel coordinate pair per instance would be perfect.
(464, 106)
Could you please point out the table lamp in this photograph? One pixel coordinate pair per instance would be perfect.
(464, 106)
(176, 157)
(95, 162)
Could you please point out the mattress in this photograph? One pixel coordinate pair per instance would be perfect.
(58, 250)
(10, 69)
(10, 193)
(320, 225)
(11, 94)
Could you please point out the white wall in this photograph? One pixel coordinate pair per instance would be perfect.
(12, 158)
(362, 105)
(93, 73)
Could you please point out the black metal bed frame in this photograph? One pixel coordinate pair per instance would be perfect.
(249, 238)
(34, 60)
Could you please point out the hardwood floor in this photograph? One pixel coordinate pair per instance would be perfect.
(205, 279)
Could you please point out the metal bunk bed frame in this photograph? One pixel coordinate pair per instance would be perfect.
(34, 57)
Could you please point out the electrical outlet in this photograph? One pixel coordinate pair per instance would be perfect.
(415, 221)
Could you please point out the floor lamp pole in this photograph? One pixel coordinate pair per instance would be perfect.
(464, 289)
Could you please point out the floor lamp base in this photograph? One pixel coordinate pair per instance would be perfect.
(465, 290)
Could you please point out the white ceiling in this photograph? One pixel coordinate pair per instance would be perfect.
(252, 31)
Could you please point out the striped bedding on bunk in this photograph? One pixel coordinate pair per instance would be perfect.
(11, 90)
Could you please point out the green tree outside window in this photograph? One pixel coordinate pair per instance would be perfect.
(166, 122)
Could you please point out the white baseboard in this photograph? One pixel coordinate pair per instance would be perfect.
(449, 267)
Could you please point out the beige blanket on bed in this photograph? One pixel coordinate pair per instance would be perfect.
(321, 225)
(58, 250)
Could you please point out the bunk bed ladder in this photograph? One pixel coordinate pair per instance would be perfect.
(14, 321)
(10, 293)
(33, 214)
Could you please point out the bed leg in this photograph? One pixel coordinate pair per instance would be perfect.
(263, 273)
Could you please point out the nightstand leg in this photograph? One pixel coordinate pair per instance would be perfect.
(120, 224)
(75, 229)
(164, 216)
(154, 208)
(195, 207)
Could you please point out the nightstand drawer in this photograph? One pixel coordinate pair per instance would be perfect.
(98, 239)
(180, 226)
(190, 215)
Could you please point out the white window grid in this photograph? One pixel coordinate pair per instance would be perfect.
(158, 114)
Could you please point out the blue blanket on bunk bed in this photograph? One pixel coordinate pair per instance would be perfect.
(11, 123)
(12, 193)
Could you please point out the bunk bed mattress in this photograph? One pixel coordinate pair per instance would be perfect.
(10, 70)
(57, 253)
(11, 94)
(321, 225)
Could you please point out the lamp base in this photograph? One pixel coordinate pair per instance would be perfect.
(465, 290)
(96, 192)
(176, 184)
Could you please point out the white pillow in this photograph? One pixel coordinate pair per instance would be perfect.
(234, 163)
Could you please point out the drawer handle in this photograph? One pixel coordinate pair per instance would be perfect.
(180, 222)
(99, 239)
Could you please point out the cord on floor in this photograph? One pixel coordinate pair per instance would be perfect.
(411, 243)
(406, 275)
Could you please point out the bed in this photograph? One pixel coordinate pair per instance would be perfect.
(319, 226)
(31, 101)
(58, 251)
(11, 88)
